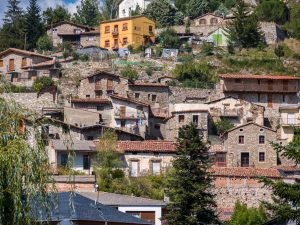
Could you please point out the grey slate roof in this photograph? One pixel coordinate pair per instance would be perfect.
(84, 210)
(60, 145)
(113, 199)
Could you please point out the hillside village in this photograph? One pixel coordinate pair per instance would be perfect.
(117, 101)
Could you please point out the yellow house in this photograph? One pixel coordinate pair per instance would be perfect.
(119, 33)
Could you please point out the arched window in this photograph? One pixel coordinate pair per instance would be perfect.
(202, 21)
(213, 21)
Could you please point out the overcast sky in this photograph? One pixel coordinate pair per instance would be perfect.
(70, 4)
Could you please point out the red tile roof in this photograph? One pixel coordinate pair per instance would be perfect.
(42, 64)
(23, 52)
(245, 172)
(149, 85)
(288, 168)
(147, 146)
(250, 76)
(90, 100)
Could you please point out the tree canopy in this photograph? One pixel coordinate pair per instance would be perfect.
(55, 15)
(168, 39)
(88, 13)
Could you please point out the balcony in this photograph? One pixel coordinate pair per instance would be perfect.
(287, 122)
(115, 32)
(262, 88)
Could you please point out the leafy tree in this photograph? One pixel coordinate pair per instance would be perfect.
(12, 33)
(42, 82)
(130, 73)
(181, 5)
(44, 43)
(169, 39)
(279, 51)
(137, 11)
(247, 216)
(272, 11)
(293, 26)
(88, 13)
(195, 204)
(244, 30)
(109, 10)
(222, 10)
(33, 24)
(195, 8)
(286, 200)
(229, 4)
(24, 168)
(207, 49)
(163, 13)
(55, 15)
(222, 126)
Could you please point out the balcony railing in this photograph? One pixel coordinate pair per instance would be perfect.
(260, 88)
(289, 121)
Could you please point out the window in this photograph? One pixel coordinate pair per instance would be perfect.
(136, 95)
(241, 139)
(155, 167)
(157, 126)
(63, 159)
(195, 119)
(202, 22)
(237, 80)
(258, 82)
(86, 162)
(77, 31)
(134, 168)
(258, 97)
(87, 96)
(213, 21)
(261, 157)
(123, 123)
(181, 118)
(100, 108)
(261, 139)
(245, 159)
(149, 96)
(150, 28)
(220, 159)
(54, 29)
(125, 41)
(107, 29)
(98, 94)
(107, 43)
(125, 26)
(91, 38)
(90, 138)
(110, 84)
(153, 98)
(1, 63)
(283, 98)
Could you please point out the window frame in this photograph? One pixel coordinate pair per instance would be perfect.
(259, 140)
(264, 157)
(86, 165)
(107, 29)
(181, 118)
(242, 139)
(107, 43)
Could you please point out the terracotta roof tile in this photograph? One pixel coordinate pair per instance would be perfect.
(23, 52)
(288, 168)
(147, 146)
(90, 100)
(251, 76)
(245, 172)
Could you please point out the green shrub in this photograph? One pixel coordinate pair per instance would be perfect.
(222, 126)
(42, 82)
(168, 38)
(84, 57)
(61, 170)
(44, 43)
(66, 54)
(279, 52)
(149, 71)
(130, 73)
(207, 49)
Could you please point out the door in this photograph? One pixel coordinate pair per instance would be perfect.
(270, 101)
(11, 65)
(134, 168)
(244, 159)
(86, 162)
(290, 118)
(116, 43)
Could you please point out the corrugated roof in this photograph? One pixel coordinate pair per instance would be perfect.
(245, 172)
(84, 209)
(113, 199)
(147, 146)
(60, 145)
(24, 52)
(251, 76)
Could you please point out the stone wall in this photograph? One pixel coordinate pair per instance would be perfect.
(272, 32)
(32, 101)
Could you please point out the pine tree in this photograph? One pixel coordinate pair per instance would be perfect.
(88, 13)
(189, 183)
(244, 30)
(286, 201)
(12, 33)
(33, 24)
(196, 8)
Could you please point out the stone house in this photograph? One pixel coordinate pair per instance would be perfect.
(237, 111)
(22, 67)
(184, 114)
(147, 157)
(266, 90)
(102, 84)
(289, 120)
(76, 34)
(248, 145)
(208, 19)
(130, 115)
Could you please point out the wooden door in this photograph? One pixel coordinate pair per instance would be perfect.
(122, 111)
(270, 101)
(24, 62)
(245, 159)
(110, 83)
(11, 65)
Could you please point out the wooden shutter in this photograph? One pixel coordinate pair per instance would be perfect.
(1, 63)
(110, 84)
(11, 65)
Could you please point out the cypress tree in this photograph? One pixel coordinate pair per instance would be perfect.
(33, 24)
(190, 183)
(244, 30)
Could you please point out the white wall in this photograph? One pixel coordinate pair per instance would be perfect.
(156, 209)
